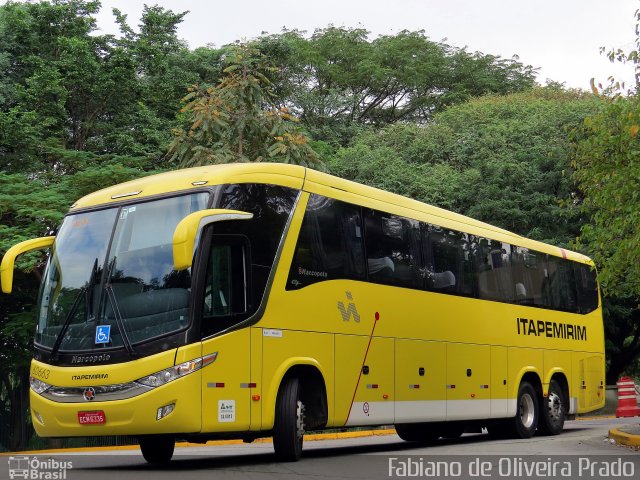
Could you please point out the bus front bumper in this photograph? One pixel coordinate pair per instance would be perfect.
(138, 415)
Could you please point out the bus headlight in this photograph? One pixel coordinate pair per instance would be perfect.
(177, 371)
(38, 386)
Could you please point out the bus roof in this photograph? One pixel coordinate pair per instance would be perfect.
(298, 177)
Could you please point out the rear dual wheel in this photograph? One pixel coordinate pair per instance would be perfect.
(553, 410)
(525, 422)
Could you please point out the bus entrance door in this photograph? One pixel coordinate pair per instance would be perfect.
(226, 383)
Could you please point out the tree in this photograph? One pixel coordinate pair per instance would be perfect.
(500, 159)
(79, 111)
(606, 156)
(338, 80)
(235, 121)
(607, 160)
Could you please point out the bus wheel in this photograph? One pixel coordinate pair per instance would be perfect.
(418, 432)
(157, 449)
(288, 430)
(553, 410)
(524, 424)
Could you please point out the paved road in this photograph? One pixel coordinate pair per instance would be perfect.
(364, 458)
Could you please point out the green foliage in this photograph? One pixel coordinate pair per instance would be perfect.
(501, 159)
(607, 160)
(80, 111)
(338, 80)
(235, 121)
(606, 156)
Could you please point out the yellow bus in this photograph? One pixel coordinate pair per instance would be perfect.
(253, 300)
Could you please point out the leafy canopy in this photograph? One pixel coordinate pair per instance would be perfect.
(236, 121)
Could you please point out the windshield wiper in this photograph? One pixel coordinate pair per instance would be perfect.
(85, 291)
(67, 321)
(116, 311)
(89, 292)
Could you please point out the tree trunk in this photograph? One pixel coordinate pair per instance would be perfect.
(19, 431)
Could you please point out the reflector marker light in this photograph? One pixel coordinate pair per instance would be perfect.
(209, 359)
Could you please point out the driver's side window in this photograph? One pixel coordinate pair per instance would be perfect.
(226, 292)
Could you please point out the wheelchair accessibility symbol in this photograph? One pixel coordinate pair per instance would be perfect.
(103, 333)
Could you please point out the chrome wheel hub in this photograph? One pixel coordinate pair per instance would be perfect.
(555, 406)
(300, 419)
(527, 410)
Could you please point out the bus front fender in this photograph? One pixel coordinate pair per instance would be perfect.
(271, 397)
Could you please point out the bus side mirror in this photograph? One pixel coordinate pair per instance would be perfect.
(189, 228)
(9, 259)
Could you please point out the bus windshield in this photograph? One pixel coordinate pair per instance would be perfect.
(110, 280)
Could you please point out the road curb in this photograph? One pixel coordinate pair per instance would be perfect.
(624, 438)
(312, 437)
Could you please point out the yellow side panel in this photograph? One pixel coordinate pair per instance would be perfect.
(374, 399)
(350, 352)
(284, 349)
(420, 381)
(591, 382)
(256, 377)
(226, 395)
(556, 361)
(468, 381)
(499, 386)
(521, 361)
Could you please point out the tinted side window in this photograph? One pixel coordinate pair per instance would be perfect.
(329, 245)
(450, 257)
(529, 275)
(393, 249)
(587, 287)
(226, 291)
(494, 271)
(271, 206)
(561, 288)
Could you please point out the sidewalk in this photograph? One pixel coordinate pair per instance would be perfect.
(628, 435)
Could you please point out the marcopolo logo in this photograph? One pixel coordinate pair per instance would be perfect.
(35, 468)
(350, 310)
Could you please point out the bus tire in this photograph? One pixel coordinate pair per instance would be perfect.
(553, 410)
(418, 432)
(524, 424)
(157, 449)
(288, 429)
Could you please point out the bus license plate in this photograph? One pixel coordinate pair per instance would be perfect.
(95, 417)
